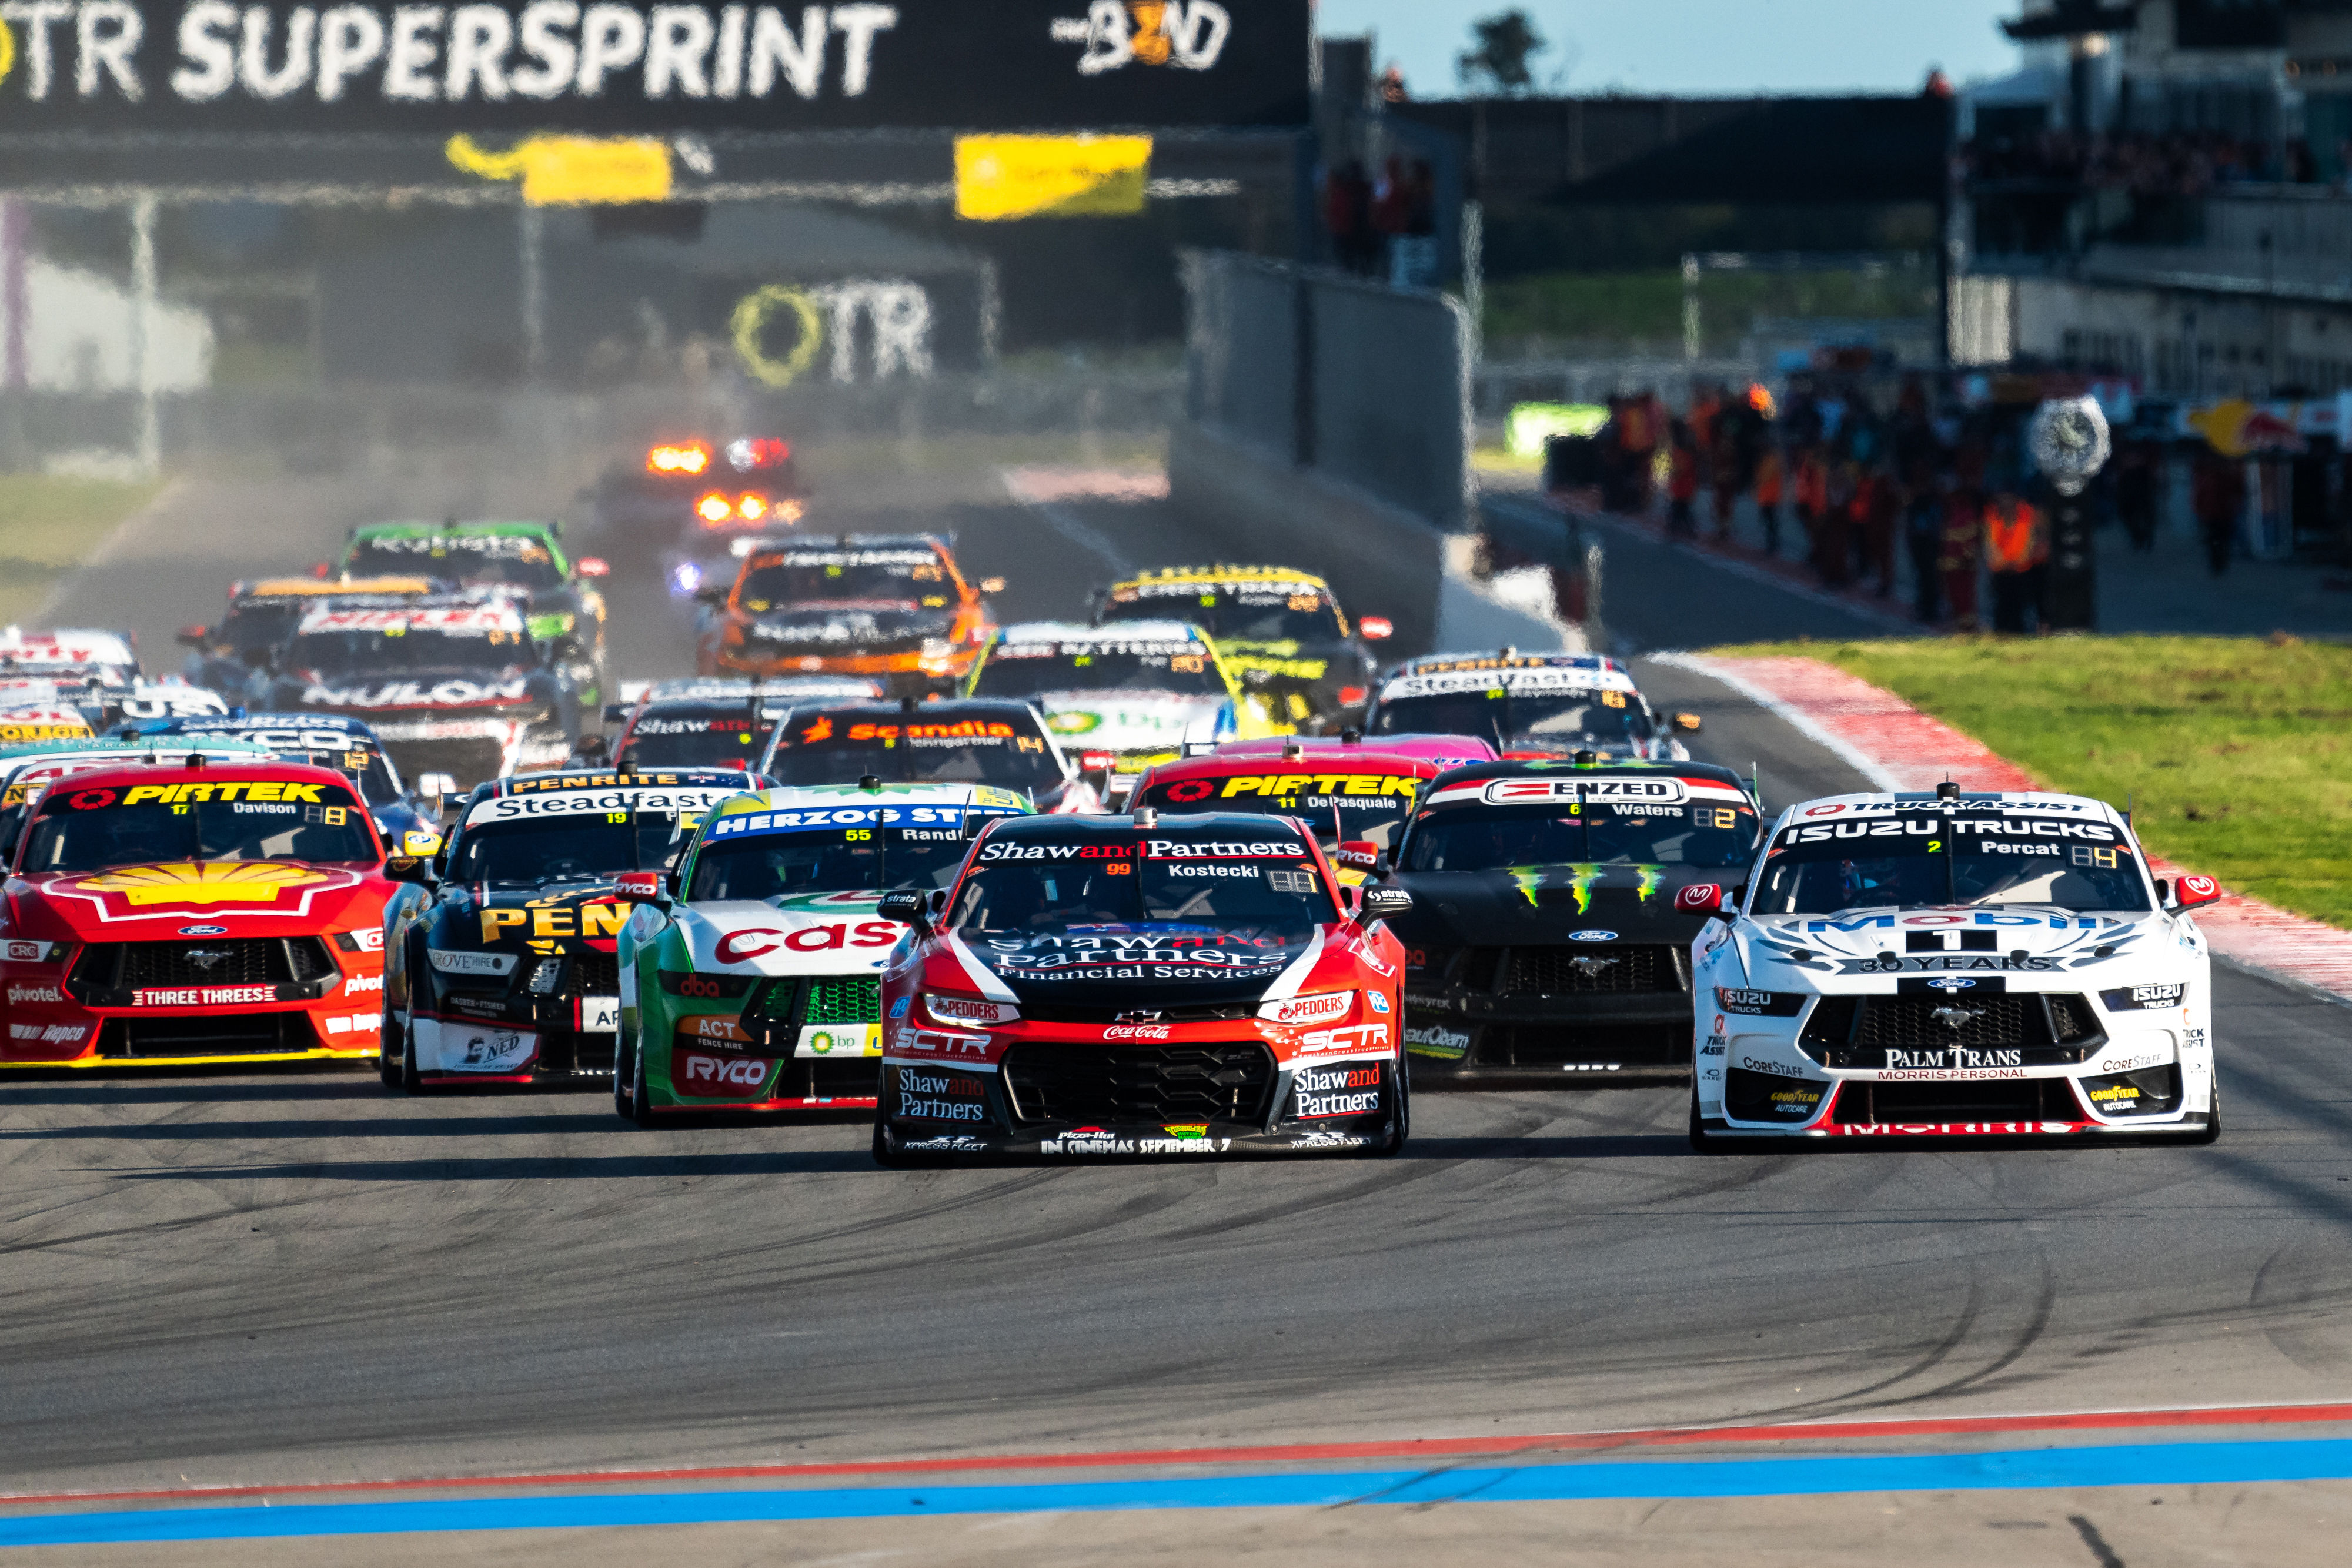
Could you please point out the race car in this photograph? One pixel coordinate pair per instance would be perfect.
(451, 684)
(1545, 937)
(335, 741)
(228, 912)
(1193, 984)
(503, 970)
(69, 655)
(748, 978)
(694, 486)
(966, 740)
(563, 609)
(1281, 632)
(891, 606)
(1354, 798)
(714, 723)
(1953, 963)
(26, 769)
(1446, 750)
(244, 644)
(1136, 693)
(1529, 704)
(36, 711)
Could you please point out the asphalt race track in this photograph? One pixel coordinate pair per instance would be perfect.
(299, 1277)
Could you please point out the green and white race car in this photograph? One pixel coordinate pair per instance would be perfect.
(750, 977)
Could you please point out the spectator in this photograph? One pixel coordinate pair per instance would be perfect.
(1963, 544)
(2135, 474)
(1834, 540)
(1348, 217)
(1923, 535)
(2218, 495)
(1769, 468)
(1638, 433)
(2016, 544)
(1682, 484)
(1878, 503)
(1813, 496)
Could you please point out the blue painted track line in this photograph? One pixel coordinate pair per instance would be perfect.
(2153, 1464)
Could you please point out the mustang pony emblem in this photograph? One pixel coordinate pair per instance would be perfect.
(1953, 1017)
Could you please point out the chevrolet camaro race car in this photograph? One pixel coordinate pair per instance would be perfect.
(1192, 984)
(451, 684)
(891, 606)
(965, 740)
(1281, 632)
(563, 609)
(202, 914)
(750, 980)
(1545, 937)
(504, 972)
(244, 645)
(1528, 703)
(1355, 799)
(1981, 965)
(1142, 692)
(1446, 750)
(710, 722)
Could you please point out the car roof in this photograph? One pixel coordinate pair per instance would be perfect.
(1249, 823)
(1329, 762)
(557, 779)
(1530, 768)
(225, 725)
(451, 528)
(1413, 743)
(788, 796)
(59, 644)
(968, 707)
(1877, 803)
(14, 759)
(1124, 632)
(230, 772)
(320, 587)
(848, 544)
(1508, 659)
(1221, 576)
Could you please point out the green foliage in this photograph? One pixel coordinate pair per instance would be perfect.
(47, 525)
(2235, 755)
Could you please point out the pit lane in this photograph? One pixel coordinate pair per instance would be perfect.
(294, 1277)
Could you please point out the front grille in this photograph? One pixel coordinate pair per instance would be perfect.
(837, 999)
(562, 1051)
(1548, 1047)
(1592, 970)
(1430, 963)
(592, 973)
(225, 1034)
(243, 961)
(1129, 1082)
(1857, 1032)
(1862, 1103)
(1108, 1012)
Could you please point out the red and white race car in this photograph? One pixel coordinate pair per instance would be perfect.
(1142, 985)
(199, 913)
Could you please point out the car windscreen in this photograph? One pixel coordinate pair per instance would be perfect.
(693, 734)
(1272, 613)
(832, 849)
(1520, 721)
(563, 849)
(1491, 838)
(1265, 886)
(97, 829)
(474, 560)
(899, 576)
(1007, 750)
(259, 625)
(364, 766)
(1945, 861)
(396, 648)
(1340, 807)
(1037, 669)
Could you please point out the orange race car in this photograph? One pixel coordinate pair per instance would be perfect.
(890, 606)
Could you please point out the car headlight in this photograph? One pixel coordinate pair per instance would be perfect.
(964, 1012)
(937, 648)
(452, 961)
(1321, 1007)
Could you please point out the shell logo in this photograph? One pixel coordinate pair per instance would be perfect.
(194, 882)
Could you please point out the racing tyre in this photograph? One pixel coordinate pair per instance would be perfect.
(2212, 1132)
(411, 1080)
(1393, 1144)
(888, 1158)
(1709, 1142)
(388, 1062)
(622, 1069)
(641, 1100)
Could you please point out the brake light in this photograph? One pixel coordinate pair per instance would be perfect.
(1353, 697)
(714, 508)
(752, 509)
(691, 459)
(1095, 761)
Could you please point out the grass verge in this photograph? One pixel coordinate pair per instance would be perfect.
(2234, 754)
(47, 525)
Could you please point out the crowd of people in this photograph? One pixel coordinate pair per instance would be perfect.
(1366, 219)
(1941, 496)
(2179, 164)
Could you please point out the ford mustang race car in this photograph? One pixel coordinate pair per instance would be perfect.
(451, 684)
(749, 978)
(710, 722)
(244, 643)
(1280, 632)
(1355, 798)
(26, 769)
(966, 740)
(1143, 692)
(1987, 964)
(1545, 937)
(505, 972)
(563, 609)
(894, 607)
(1530, 704)
(1143, 985)
(227, 912)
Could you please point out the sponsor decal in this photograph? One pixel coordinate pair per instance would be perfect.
(27, 952)
(719, 1077)
(946, 1143)
(1959, 1129)
(2198, 887)
(1779, 1069)
(1325, 1138)
(355, 984)
(1699, 898)
(1643, 791)
(899, 1009)
(49, 1033)
(743, 947)
(840, 1039)
(1758, 1004)
(597, 1015)
(185, 881)
(1893, 964)
(19, 995)
(1136, 1031)
(1350, 1089)
(1435, 1039)
(490, 1050)
(1355, 1037)
(1100, 1141)
(1952, 1057)
(1713, 1046)
(2144, 999)
(936, 1045)
(203, 996)
(1376, 1000)
(368, 938)
(1592, 936)
(1321, 1008)
(952, 1010)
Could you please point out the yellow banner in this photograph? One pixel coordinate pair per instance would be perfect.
(573, 170)
(1001, 177)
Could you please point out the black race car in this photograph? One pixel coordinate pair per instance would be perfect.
(967, 740)
(1282, 631)
(1544, 937)
(245, 644)
(502, 971)
(452, 683)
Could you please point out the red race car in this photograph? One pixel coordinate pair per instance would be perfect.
(1355, 798)
(202, 914)
(1142, 985)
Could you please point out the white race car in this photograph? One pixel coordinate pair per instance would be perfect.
(1981, 965)
(1530, 703)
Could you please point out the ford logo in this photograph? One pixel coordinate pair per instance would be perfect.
(1592, 936)
(1948, 984)
(203, 930)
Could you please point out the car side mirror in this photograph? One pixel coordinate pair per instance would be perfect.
(907, 905)
(192, 636)
(433, 792)
(2192, 892)
(638, 887)
(1376, 628)
(1358, 855)
(1382, 902)
(422, 844)
(991, 585)
(415, 870)
(716, 594)
(615, 713)
(593, 566)
(1687, 722)
(1707, 898)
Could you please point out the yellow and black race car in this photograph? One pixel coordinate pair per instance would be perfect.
(1281, 632)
